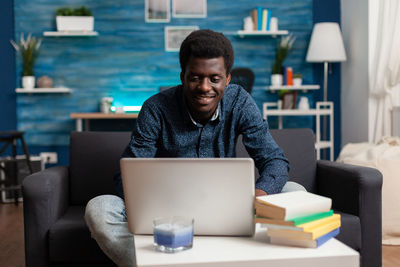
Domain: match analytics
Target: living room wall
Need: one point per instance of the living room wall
(128, 59)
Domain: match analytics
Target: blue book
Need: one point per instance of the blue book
(268, 20)
(322, 239)
(302, 242)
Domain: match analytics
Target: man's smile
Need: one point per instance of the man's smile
(204, 99)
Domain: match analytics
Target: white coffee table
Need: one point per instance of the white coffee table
(245, 251)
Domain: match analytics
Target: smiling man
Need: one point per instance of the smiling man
(202, 117)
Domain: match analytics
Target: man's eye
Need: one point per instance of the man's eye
(194, 79)
(215, 79)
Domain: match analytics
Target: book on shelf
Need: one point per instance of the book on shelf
(310, 234)
(264, 20)
(290, 205)
(254, 18)
(304, 243)
(259, 18)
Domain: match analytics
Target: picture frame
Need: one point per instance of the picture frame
(157, 11)
(189, 8)
(174, 36)
(289, 100)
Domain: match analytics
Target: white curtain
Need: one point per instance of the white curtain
(385, 69)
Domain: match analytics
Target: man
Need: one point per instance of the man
(203, 117)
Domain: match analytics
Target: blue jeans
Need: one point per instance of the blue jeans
(106, 219)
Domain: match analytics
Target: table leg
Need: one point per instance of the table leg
(78, 125)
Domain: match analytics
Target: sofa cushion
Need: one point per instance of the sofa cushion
(94, 160)
(350, 231)
(298, 146)
(70, 240)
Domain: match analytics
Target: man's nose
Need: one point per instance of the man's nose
(205, 85)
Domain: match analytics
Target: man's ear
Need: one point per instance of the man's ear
(182, 77)
(228, 79)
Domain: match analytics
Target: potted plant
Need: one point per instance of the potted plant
(78, 19)
(297, 79)
(282, 50)
(29, 50)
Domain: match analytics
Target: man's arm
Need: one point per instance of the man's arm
(269, 159)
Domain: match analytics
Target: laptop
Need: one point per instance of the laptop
(217, 192)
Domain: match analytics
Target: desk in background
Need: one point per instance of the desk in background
(86, 117)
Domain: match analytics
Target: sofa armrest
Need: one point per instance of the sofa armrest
(45, 196)
(356, 190)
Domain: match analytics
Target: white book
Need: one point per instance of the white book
(290, 205)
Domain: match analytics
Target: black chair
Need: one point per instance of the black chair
(55, 199)
(11, 183)
(243, 77)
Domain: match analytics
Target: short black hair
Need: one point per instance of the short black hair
(206, 44)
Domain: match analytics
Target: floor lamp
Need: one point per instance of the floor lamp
(326, 45)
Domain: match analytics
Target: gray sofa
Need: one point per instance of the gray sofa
(55, 198)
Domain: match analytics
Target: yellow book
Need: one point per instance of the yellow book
(264, 20)
(318, 223)
(304, 235)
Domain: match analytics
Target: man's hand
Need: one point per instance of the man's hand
(258, 192)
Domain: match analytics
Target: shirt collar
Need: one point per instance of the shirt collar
(213, 118)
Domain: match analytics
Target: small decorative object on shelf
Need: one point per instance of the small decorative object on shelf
(78, 19)
(105, 104)
(304, 104)
(44, 82)
(297, 79)
(248, 24)
(29, 51)
(282, 50)
(289, 100)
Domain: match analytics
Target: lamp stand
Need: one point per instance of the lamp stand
(324, 122)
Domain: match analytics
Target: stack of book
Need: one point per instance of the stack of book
(297, 218)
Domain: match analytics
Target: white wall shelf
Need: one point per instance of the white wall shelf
(243, 34)
(303, 88)
(43, 90)
(322, 109)
(70, 34)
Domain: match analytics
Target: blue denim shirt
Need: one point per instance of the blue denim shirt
(164, 129)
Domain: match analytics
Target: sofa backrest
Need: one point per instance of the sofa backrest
(299, 148)
(94, 160)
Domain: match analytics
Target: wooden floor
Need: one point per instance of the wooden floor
(12, 240)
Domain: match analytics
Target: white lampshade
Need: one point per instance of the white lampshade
(326, 44)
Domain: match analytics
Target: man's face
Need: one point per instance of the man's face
(204, 82)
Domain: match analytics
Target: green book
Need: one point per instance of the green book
(312, 217)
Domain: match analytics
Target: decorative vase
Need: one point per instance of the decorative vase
(297, 81)
(44, 82)
(276, 79)
(75, 23)
(303, 103)
(28, 82)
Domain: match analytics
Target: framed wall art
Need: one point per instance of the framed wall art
(289, 100)
(157, 11)
(189, 8)
(174, 36)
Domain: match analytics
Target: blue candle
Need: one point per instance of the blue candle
(171, 235)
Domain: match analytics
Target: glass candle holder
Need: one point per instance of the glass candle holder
(173, 234)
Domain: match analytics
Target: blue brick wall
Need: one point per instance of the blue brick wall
(127, 60)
